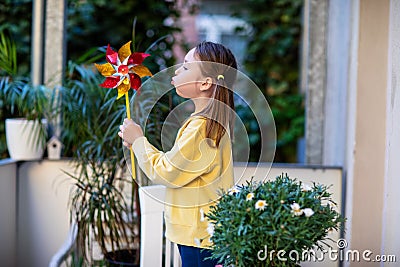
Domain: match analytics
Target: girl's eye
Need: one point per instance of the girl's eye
(184, 68)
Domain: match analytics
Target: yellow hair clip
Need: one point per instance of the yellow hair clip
(220, 77)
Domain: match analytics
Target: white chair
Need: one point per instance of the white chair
(67, 247)
(154, 245)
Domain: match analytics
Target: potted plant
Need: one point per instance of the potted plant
(24, 107)
(271, 223)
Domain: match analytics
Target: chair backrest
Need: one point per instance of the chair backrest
(67, 247)
(154, 246)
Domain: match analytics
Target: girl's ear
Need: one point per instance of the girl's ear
(206, 84)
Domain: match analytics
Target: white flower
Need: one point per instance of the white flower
(308, 212)
(210, 229)
(201, 215)
(324, 202)
(249, 196)
(305, 187)
(261, 204)
(296, 209)
(295, 206)
(234, 190)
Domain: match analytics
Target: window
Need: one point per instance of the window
(224, 29)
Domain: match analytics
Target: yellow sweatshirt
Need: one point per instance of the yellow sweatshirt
(193, 172)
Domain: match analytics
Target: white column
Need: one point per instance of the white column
(314, 78)
(338, 44)
(351, 118)
(55, 42)
(55, 48)
(37, 42)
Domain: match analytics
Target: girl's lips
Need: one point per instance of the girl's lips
(172, 81)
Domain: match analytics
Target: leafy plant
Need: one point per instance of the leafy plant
(282, 214)
(16, 18)
(18, 97)
(8, 55)
(22, 99)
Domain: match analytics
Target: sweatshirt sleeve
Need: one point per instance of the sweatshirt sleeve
(189, 158)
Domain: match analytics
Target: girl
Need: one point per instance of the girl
(200, 162)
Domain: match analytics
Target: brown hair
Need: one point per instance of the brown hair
(220, 110)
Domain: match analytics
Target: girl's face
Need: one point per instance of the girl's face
(188, 79)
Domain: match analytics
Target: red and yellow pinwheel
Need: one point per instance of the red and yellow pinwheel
(124, 71)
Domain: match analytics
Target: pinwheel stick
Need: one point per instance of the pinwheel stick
(128, 115)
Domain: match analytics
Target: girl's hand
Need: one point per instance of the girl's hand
(129, 132)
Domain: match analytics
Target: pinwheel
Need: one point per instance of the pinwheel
(124, 71)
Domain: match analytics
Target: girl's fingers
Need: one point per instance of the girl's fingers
(127, 144)
(128, 121)
(120, 134)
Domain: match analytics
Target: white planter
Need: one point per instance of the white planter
(24, 141)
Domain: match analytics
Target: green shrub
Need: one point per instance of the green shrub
(282, 214)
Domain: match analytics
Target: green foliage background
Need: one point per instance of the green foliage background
(272, 58)
(95, 23)
(273, 63)
(92, 24)
(16, 18)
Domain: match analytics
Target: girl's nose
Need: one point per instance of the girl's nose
(178, 70)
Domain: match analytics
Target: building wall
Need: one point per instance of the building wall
(391, 197)
(43, 216)
(369, 164)
(361, 117)
(8, 203)
(366, 143)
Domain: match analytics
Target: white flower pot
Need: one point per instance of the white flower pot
(24, 141)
